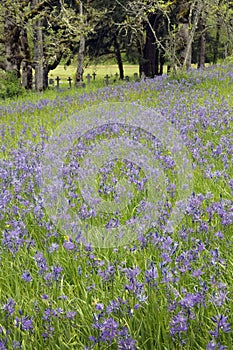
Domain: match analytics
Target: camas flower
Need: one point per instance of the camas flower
(26, 276)
(9, 307)
(179, 323)
(25, 323)
(221, 324)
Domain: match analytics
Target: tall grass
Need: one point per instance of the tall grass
(161, 291)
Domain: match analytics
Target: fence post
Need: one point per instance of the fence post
(143, 76)
(88, 78)
(69, 81)
(51, 81)
(58, 80)
(106, 79)
(136, 78)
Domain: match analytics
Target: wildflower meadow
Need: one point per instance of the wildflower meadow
(116, 216)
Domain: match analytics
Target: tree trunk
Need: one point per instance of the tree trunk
(202, 42)
(12, 44)
(150, 56)
(79, 73)
(161, 62)
(216, 42)
(26, 63)
(49, 67)
(81, 52)
(140, 56)
(38, 52)
(188, 18)
(39, 56)
(184, 50)
(217, 36)
(118, 58)
(45, 77)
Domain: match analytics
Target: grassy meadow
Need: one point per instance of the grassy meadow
(100, 70)
(165, 290)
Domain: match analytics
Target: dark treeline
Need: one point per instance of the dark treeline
(35, 35)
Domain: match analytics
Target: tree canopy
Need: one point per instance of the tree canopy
(38, 34)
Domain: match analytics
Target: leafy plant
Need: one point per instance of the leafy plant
(10, 85)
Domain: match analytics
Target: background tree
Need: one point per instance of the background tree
(153, 24)
(10, 22)
(53, 34)
(37, 34)
(107, 38)
(38, 62)
(81, 51)
(202, 39)
(26, 62)
(78, 19)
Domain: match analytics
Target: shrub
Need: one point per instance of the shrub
(10, 85)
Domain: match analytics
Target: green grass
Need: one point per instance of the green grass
(148, 321)
(101, 71)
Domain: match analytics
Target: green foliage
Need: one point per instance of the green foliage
(229, 60)
(10, 85)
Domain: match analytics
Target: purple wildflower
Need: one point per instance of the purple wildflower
(107, 329)
(9, 307)
(221, 324)
(127, 344)
(107, 274)
(125, 341)
(178, 324)
(41, 263)
(17, 345)
(53, 247)
(99, 307)
(190, 300)
(25, 323)
(151, 274)
(56, 272)
(71, 314)
(215, 346)
(68, 245)
(2, 345)
(26, 276)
